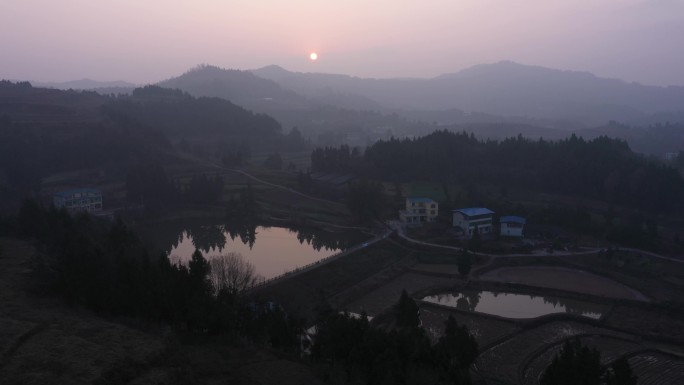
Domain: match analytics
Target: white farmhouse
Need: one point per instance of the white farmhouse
(419, 210)
(468, 219)
(512, 226)
(79, 200)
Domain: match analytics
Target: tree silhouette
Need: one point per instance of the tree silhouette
(465, 263)
(407, 312)
(620, 373)
(574, 365)
(232, 273)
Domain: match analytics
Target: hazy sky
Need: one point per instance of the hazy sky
(150, 40)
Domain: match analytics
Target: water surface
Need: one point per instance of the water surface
(272, 250)
(517, 306)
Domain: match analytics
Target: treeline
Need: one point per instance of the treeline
(333, 159)
(602, 168)
(355, 351)
(105, 268)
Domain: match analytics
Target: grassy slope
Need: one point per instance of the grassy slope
(43, 341)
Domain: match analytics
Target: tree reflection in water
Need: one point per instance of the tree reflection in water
(516, 305)
(213, 237)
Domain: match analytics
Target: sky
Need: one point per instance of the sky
(145, 41)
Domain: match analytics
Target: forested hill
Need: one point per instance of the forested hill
(602, 168)
(240, 87)
(175, 112)
(48, 131)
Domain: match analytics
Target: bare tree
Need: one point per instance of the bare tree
(232, 273)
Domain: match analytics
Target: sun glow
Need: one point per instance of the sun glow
(313, 56)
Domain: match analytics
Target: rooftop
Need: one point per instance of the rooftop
(513, 219)
(474, 211)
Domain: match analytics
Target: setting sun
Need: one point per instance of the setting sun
(313, 56)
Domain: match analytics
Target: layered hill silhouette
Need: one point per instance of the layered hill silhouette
(504, 89)
(240, 87)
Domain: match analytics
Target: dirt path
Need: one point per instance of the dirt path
(586, 250)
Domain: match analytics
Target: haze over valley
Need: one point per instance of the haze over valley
(469, 193)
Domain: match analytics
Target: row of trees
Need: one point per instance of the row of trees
(105, 267)
(333, 159)
(357, 352)
(580, 365)
(601, 168)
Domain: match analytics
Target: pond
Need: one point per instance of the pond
(512, 305)
(272, 250)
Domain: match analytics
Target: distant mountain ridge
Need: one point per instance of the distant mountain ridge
(504, 88)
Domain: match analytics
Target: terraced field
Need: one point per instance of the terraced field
(505, 360)
(646, 321)
(335, 281)
(388, 294)
(563, 279)
(486, 329)
(611, 349)
(657, 369)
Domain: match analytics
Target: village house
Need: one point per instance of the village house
(468, 219)
(419, 210)
(512, 226)
(79, 200)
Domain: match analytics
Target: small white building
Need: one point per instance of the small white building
(512, 226)
(419, 210)
(79, 200)
(468, 219)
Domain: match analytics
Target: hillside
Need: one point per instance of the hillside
(240, 87)
(47, 131)
(44, 341)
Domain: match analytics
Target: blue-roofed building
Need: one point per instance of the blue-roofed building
(467, 219)
(419, 210)
(79, 200)
(512, 226)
